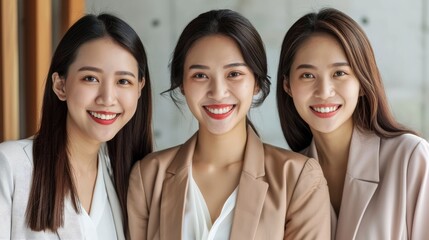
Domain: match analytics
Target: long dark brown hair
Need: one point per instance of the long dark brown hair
(372, 111)
(52, 178)
(227, 23)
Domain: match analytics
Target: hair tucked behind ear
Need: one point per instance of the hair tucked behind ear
(227, 23)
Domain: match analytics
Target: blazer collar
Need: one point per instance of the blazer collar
(251, 190)
(360, 183)
(250, 198)
(174, 191)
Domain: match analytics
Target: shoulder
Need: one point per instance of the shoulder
(277, 155)
(404, 141)
(155, 163)
(405, 146)
(13, 146)
(291, 163)
(159, 159)
(16, 151)
(16, 160)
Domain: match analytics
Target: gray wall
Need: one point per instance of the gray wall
(398, 31)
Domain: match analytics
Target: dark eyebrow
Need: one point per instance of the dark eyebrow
(88, 68)
(305, 66)
(235, 65)
(125, 73)
(198, 66)
(94, 69)
(338, 64)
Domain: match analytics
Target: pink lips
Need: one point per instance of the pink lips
(325, 110)
(104, 121)
(219, 111)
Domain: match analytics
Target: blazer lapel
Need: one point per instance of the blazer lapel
(111, 192)
(361, 182)
(251, 190)
(174, 191)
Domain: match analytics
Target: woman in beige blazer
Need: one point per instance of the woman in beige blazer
(224, 183)
(333, 107)
(67, 182)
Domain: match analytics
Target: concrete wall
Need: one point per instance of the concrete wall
(398, 31)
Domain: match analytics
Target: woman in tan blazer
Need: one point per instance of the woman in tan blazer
(224, 183)
(333, 107)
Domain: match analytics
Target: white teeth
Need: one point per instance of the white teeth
(103, 116)
(219, 110)
(325, 109)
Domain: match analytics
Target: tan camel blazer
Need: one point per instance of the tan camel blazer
(281, 194)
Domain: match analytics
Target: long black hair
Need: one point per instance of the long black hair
(52, 178)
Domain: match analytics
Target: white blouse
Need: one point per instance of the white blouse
(197, 221)
(99, 224)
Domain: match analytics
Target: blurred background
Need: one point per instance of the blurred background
(30, 30)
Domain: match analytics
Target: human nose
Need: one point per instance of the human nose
(218, 89)
(324, 88)
(107, 94)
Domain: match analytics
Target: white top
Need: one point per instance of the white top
(197, 222)
(99, 224)
(16, 169)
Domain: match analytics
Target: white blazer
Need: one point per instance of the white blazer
(16, 168)
(386, 188)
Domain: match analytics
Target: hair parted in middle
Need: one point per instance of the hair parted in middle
(227, 23)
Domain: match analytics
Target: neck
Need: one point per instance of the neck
(221, 150)
(82, 154)
(333, 148)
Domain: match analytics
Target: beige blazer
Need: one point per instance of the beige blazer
(386, 189)
(281, 194)
(16, 167)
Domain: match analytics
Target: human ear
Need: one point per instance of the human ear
(256, 89)
(286, 86)
(141, 85)
(59, 86)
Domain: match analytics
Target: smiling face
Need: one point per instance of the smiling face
(101, 90)
(217, 84)
(324, 88)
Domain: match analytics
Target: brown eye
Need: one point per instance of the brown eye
(234, 74)
(124, 82)
(307, 75)
(200, 75)
(90, 79)
(339, 73)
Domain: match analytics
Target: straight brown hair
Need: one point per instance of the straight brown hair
(372, 111)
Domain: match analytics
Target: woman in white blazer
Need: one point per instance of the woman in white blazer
(70, 180)
(333, 107)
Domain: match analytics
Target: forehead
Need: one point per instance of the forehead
(105, 53)
(320, 46)
(214, 49)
